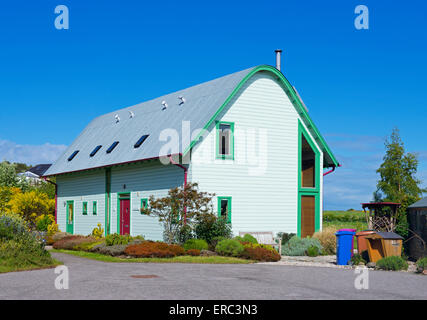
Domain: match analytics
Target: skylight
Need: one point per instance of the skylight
(111, 148)
(140, 141)
(73, 155)
(95, 150)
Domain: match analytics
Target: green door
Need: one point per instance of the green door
(70, 216)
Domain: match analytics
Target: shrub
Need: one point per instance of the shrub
(12, 226)
(394, 263)
(209, 226)
(149, 249)
(422, 263)
(98, 232)
(68, 243)
(177, 249)
(184, 233)
(43, 221)
(313, 251)
(113, 239)
(214, 242)
(298, 247)
(260, 252)
(229, 247)
(115, 250)
(87, 246)
(32, 204)
(327, 239)
(285, 237)
(198, 244)
(193, 252)
(356, 259)
(247, 238)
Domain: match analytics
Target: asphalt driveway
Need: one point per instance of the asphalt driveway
(89, 279)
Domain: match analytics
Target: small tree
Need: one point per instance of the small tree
(182, 206)
(8, 177)
(397, 179)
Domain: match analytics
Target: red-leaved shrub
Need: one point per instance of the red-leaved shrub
(149, 249)
(193, 252)
(260, 253)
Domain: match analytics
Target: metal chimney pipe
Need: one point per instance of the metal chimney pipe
(278, 52)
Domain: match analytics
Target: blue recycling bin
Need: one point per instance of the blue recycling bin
(344, 246)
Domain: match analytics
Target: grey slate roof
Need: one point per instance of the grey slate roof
(201, 103)
(419, 204)
(40, 169)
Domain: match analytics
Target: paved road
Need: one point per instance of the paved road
(91, 279)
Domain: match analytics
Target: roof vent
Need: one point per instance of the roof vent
(164, 104)
(117, 118)
(131, 114)
(182, 100)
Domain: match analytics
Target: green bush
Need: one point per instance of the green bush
(43, 223)
(356, 259)
(114, 239)
(197, 244)
(229, 247)
(114, 250)
(71, 242)
(313, 251)
(285, 237)
(422, 263)
(214, 242)
(209, 226)
(392, 263)
(298, 247)
(247, 238)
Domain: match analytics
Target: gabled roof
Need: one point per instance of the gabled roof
(202, 105)
(419, 204)
(39, 169)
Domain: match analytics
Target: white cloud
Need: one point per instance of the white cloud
(30, 154)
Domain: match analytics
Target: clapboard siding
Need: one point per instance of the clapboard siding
(82, 187)
(267, 201)
(142, 181)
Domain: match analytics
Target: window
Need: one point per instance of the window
(95, 208)
(85, 208)
(73, 155)
(308, 164)
(225, 140)
(111, 148)
(140, 141)
(144, 204)
(95, 150)
(224, 208)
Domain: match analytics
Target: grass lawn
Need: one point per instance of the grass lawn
(179, 259)
(7, 265)
(345, 220)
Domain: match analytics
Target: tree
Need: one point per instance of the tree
(179, 209)
(398, 182)
(8, 177)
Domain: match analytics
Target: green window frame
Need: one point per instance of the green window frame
(84, 208)
(94, 208)
(222, 200)
(219, 153)
(144, 204)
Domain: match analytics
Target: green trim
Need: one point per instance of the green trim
(84, 208)
(308, 191)
(317, 177)
(142, 203)
(123, 196)
(229, 207)
(94, 208)
(107, 201)
(295, 101)
(70, 226)
(225, 156)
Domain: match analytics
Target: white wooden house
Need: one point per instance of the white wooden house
(247, 137)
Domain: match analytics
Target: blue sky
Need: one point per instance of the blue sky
(357, 84)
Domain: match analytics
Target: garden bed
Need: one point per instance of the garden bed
(178, 259)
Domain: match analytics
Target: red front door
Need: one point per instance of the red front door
(125, 216)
